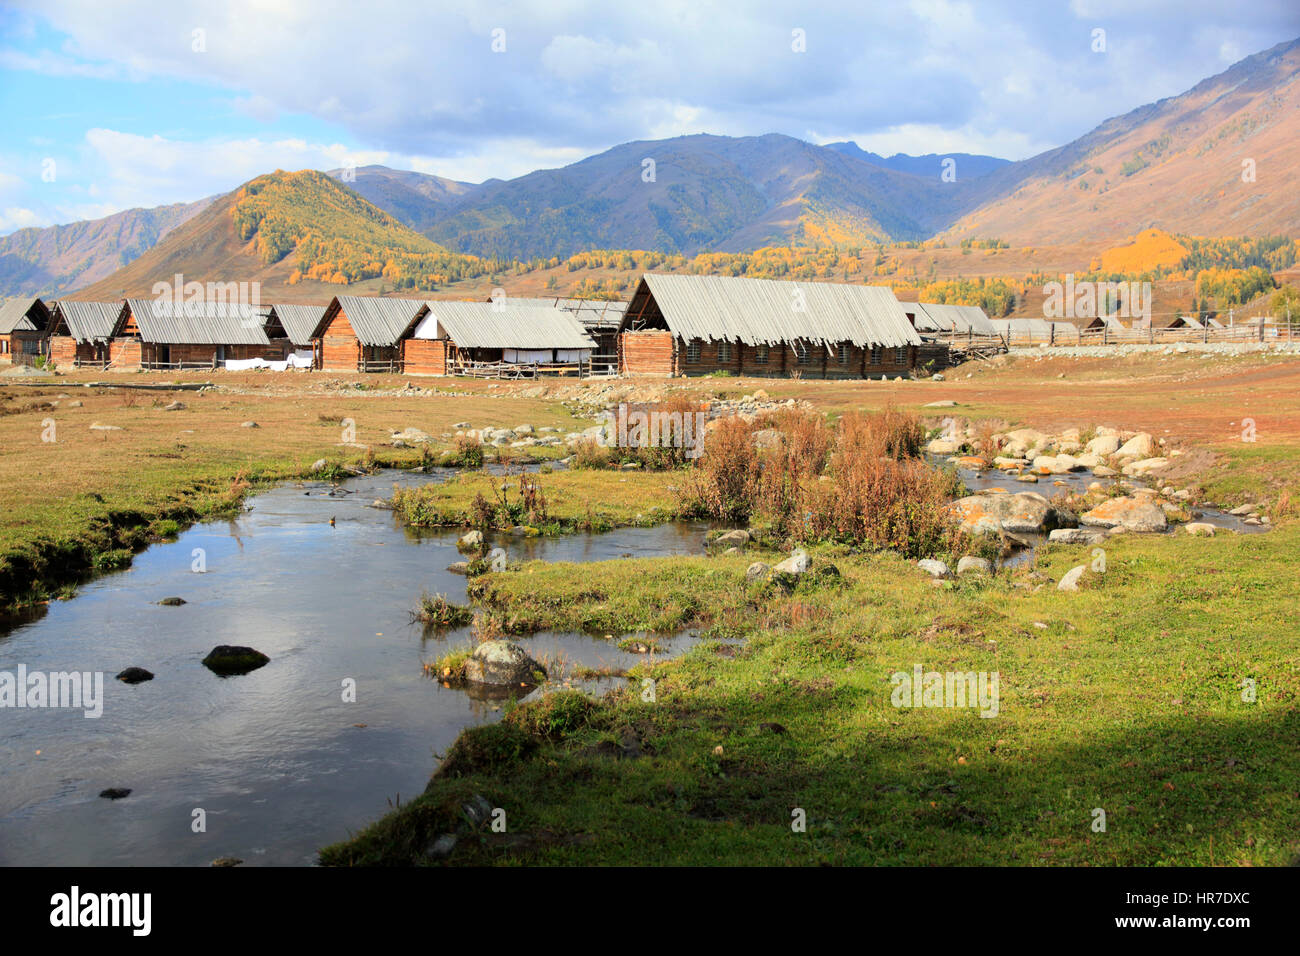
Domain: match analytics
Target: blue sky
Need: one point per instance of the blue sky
(110, 106)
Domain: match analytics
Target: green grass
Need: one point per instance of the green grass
(1125, 696)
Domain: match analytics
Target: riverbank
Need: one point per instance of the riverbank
(1163, 694)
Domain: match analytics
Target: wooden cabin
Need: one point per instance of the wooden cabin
(503, 339)
(600, 320)
(81, 333)
(159, 334)
(696, 325)
(24, 325)
(365, 334)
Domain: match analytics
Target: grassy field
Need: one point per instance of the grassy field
(1126, 696)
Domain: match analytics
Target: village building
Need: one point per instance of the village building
(600, 319)
(365, 334)
(695, 325)
(507, 338)
(81, 333)
(24, 324)
(949, 321)
(159, 334)
(299, 324)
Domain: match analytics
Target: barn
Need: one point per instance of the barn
(600, 319)
(695, 325)
(365, 334)
(509, 338)
(24, 323)
(157, 334)
(949, 321)
(81, 332)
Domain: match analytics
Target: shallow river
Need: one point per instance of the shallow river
(276, 759)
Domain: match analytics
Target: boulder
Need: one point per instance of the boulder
(1201, 529)
(172, 601)
(97, 427)
(1023, 511)
(1103, 445)
(973, 462)
(135, 675)
(734, 538)
(943, 446)
(522, 430)
(767, 438)
(1053, 465)
(934, 568)
(797, 563)
(319, 464)
(412, 436)
(502, 663)
(1071, 580)
(228, 660)
(1077, 536)
(470, 541)
(249, 424)
(973, 565)
(458, 567)
(1140, 445)
(174, 407)
(1137, 469)
(758, 571)
(1130, 513)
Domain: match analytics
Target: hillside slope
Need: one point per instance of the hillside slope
(1176, 165)
(55, 259)
(291, 232)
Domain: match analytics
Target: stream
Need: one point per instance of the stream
(279, 764)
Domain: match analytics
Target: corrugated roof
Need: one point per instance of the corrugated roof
(939, 317)
(771, 311)
(1037, 327)
(13, 314)
(299, 321)
(375, 320)
(90, 321)
(592, 313)
(507, 325)
(199, 323)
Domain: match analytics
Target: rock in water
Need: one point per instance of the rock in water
(502, 663)
(134, 675)
(115, 793)
(470, 541)
(229, 660)
(172, 602)
(1130, 513)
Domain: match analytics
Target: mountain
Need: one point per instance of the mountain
(966, 165)
(1176, 164)
(700, 192)
(56, 259)
(417, 200)
(299, 232)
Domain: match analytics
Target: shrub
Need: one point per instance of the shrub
(436, 611)
(589, 453)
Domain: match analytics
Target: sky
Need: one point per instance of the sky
(109, 106)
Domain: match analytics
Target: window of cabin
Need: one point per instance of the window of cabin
(876, 357)
(724, 352)
(693, 353)
(801, 353)
(760, 355)
(900, 355)
(844, 353)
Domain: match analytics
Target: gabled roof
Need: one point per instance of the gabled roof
(504, 325)
(592, 313)
(938, 317)
(90, 321)
(374, 320)
(25, 313)
(299, 321)
(770, 311)
(199, 323)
